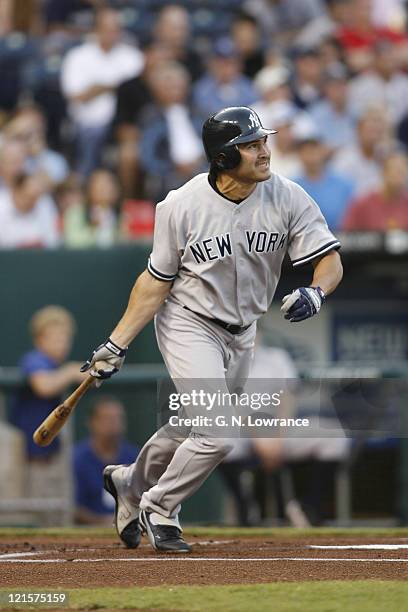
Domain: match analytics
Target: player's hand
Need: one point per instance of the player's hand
(106, 360)
(302, 303)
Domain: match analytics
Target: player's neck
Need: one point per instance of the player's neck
(233, 189)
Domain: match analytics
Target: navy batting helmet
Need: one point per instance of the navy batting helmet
(226, 129)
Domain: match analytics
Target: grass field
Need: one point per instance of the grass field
(67, 533)
(333, 596)
(309, 594)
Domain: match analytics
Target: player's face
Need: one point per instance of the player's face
(254, 166)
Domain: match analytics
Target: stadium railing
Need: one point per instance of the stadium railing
(135, 377)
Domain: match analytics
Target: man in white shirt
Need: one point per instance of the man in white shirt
(28, 216)
(90, 74)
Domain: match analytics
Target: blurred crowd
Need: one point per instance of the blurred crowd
(102, 103)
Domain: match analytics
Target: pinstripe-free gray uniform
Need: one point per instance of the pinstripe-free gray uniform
(224, 261)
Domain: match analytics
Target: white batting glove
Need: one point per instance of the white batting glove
(106, 360)
(302, 303)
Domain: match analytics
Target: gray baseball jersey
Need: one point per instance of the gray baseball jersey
(225, 259)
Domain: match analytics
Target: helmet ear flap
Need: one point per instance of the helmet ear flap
(228, 158)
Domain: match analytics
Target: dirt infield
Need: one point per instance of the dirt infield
(94, 562)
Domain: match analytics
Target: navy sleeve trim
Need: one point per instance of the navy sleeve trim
(159, 275)
(330, 246)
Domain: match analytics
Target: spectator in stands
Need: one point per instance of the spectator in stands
(283, 19)
(359, 36)
(172, 30)
(46, 375)
(133, 96)
(90, 76)
(330, 53)
(12, 161)
(272, 84)
(332, 113)
(172, 150)
(247, 37)
(68, 194)
(29, 126)
(16, 49)
(389, 13)
(277, 109)
(384, 82)
(42, 79)
(28, 216)
(361, 161)
(307, 76)
(105, 445)
(330, 190)
(387, 208)
(325, 25)
(93, 222)
(284, 156)
(224, 84)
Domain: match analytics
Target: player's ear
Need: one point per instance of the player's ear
(220, 160)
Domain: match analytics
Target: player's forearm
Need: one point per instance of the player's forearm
(328, 272)
(147, 295)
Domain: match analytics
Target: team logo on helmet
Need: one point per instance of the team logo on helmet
(254, 120)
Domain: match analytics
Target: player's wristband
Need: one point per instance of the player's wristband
(114, 348)
(321, 293)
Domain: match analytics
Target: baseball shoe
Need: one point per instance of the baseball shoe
(126, 515)
(163, 533)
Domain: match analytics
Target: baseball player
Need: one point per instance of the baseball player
(219, 243)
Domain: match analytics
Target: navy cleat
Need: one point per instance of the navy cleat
(164, 534)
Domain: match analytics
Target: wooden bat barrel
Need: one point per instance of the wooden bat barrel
(55, 421)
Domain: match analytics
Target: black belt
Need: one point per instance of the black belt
(232, 329)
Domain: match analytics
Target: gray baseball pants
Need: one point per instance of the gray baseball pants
(170, 466)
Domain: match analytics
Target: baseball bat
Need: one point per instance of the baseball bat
(55, 421)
